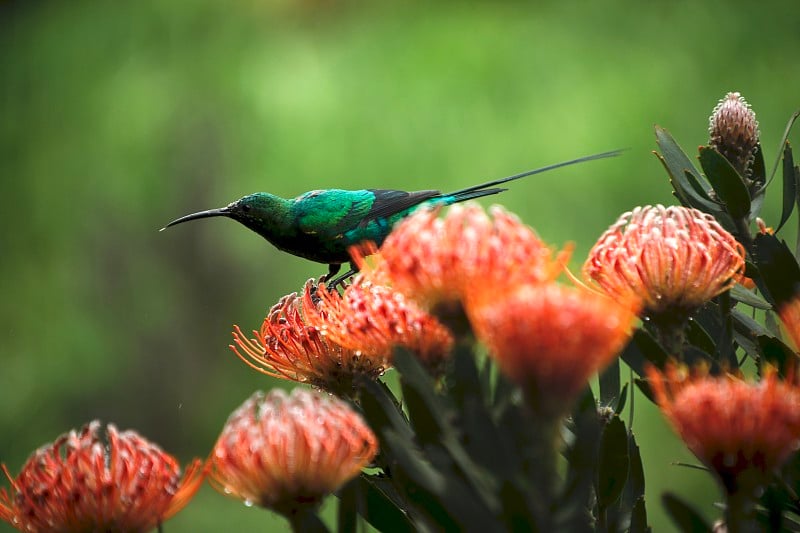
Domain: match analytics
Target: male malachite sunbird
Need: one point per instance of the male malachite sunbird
(321, 225)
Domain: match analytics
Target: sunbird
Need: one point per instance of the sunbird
(321, 225)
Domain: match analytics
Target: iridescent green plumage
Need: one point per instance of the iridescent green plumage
(321, 225)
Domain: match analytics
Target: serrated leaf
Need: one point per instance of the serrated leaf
(613, 469)
(789, 187)
(727, 183)
(685, 516)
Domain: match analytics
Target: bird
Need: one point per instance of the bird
(321, 225)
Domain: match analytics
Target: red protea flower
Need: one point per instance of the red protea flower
(674, 258)
(330, 340)
(733, 132)
(286, 452)
(435, 260)
(81, 483)
(551, 338)
(742, 431)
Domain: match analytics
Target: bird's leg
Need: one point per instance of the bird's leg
(340, 279)
(333, 269)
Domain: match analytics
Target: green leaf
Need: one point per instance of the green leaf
(623, 397)
(748, 327)
(582, 436)
(613, 470)
(776, 353)
(699, 337)
(758, 176)
(789, 186)
(642, 349)
(727, 183)
(639, 518)
(381, 506)
(747, 297)
(779, 278)
(677, 164)
(347, 518)
(428, 411)
(610, 383)
(685, 516)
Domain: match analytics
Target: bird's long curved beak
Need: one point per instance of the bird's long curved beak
(221, 212)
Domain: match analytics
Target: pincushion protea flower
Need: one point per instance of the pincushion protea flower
(733, 132)
(432, 259)
(551, 338)
(329, 340)
(286, 452)
(674, 258)
(81, 483)
(742, 431)
(373, 319)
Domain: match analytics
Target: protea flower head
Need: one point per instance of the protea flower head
(550, 338)
(82, 483)
(332, 340)
(286, 452)
(674, 258)
(741, 430)
(434, 260)
(733, 132)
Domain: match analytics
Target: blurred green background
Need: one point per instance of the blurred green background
(116, 117)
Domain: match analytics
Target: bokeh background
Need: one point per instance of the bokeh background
(116, 117)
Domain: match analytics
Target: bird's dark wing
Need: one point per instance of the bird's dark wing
(331, 212)
(389, 202)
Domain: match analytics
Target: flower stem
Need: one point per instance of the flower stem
(305, 520)
(740, 513)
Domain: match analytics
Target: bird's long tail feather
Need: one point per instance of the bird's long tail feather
(483, 189)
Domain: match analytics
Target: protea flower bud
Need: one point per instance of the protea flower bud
(733, 132)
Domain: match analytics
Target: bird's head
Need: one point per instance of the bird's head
(256, 211)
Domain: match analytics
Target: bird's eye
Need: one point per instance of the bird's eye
(245, 208)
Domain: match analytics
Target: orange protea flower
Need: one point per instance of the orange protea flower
(83, 483)
(790, 316)
(287, 347)
(435, 260)
(286, 452)
(551, 338)
(674, 258)
(742, 431)
(372, 319)
(329, 340)
(733, 132)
